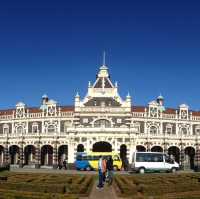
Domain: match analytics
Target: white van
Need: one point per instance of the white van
(153, 161)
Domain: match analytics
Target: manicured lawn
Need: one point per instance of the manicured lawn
(37, 186)
(158, 186)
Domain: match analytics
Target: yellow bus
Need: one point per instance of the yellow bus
(89, 161)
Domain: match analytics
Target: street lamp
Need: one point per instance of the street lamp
(37, 166)
(197, 155)
(182, 152)
(22, 150)
(6, 150)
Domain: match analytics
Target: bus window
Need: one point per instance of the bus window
(95, 157)
(156, 158)
(79, 157)
(141, 157)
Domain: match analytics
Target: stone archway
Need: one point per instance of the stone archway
(174, 152)
(80, 148)
(102, 147)
(189, 158)
(14, 154)
(47, 155)
(62, 153)
(123, 151)
(156, 149)
(140, 148)
(1, 155)
(123, 156)
(29, 154)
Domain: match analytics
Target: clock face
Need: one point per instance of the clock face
(183, 114)
(51, 111)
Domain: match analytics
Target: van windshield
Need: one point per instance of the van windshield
(149, 157)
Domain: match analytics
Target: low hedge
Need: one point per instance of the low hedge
(68, 185)
(143, 186)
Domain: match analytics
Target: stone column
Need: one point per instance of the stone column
(132, 149)
(182, 157)
(55, 156)
(38, 156)
(71, 153)
(197, 158)
(21, 156)
(6, 155)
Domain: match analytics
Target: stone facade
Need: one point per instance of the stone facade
(50, 133)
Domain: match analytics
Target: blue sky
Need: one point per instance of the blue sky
(56, 47)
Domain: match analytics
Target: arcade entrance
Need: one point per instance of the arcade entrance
(102, 147)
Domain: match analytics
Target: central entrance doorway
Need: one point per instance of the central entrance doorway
(102, 147)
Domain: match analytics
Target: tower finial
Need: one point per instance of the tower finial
(104, 58)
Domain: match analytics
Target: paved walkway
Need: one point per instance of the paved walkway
(106, 193)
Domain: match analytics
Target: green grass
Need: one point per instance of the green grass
(158, 186)
(35, 186)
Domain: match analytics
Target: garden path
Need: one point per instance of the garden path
(106, 193)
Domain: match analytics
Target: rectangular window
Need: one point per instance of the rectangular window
(149, 157)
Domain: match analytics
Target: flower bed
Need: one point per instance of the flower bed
(35, 186)
(158, 186)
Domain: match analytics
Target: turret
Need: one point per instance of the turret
(160, 100)
(128, 100)
(45, 99)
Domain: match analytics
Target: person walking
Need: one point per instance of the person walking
(65, 164)
(60, 164)
(104, 169)
(100, 171)
(109, 166)
(126, 164)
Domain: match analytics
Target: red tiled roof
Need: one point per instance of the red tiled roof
(138, 108)
(170, 111)
(67, 108)
(196, 113)
(6, 112)
(34, 110)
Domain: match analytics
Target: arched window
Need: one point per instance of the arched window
(20, 129)
(153, 130)
(102, 123)
(184, 131)
(35, 127)
(168, 129)
(51, 128)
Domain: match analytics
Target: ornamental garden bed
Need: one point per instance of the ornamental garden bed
(158, 186)
(35, 186)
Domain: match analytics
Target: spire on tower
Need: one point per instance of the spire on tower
(104, 58)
